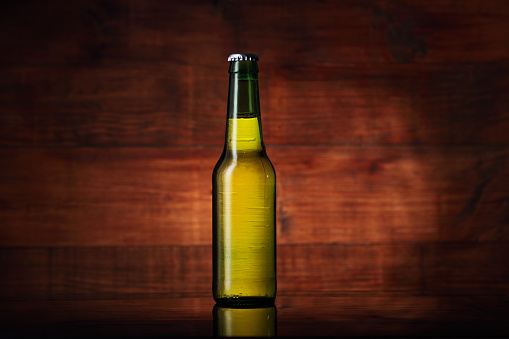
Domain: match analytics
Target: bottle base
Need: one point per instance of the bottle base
(246, 301)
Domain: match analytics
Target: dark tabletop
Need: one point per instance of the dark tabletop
(297, 315)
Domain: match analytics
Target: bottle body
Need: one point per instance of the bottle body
(244, 229)
(244, 203)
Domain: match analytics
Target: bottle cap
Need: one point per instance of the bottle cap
(243, 57)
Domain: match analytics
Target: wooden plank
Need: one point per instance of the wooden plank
(296, 32)
(138, 270)
(25, 274)
(462, 268)
(332, 268)
(103, 272)
(381, 194)
(138, 196)
(126, 104)
(161, 104)
(68, 197)
(141, 272)
(461, 104)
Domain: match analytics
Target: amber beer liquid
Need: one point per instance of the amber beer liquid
(244, 197)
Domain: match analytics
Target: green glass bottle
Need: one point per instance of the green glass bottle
(244, 197)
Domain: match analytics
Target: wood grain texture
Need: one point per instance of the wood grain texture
(296, 32)
(25, 274)
(116, 104)
(119, 196)
(138, 196)
(162, 104)
(139, 272)
(386, 122)
(351, 72)
(455, 269)
(382, 194)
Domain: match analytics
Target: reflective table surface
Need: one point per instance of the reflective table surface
(293, 315)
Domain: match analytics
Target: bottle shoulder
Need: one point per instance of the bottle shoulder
(244, 161)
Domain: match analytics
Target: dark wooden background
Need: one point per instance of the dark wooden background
(387, 123)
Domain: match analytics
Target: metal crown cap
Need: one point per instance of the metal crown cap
(243, 57)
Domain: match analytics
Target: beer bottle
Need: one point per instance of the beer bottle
(244, 197)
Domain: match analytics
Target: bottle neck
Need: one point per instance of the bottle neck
(244, 129)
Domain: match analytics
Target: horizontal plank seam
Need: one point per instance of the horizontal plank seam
(114, 63)
(342, 145)
(416, 243)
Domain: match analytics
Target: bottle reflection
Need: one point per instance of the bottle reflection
(244, 321)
